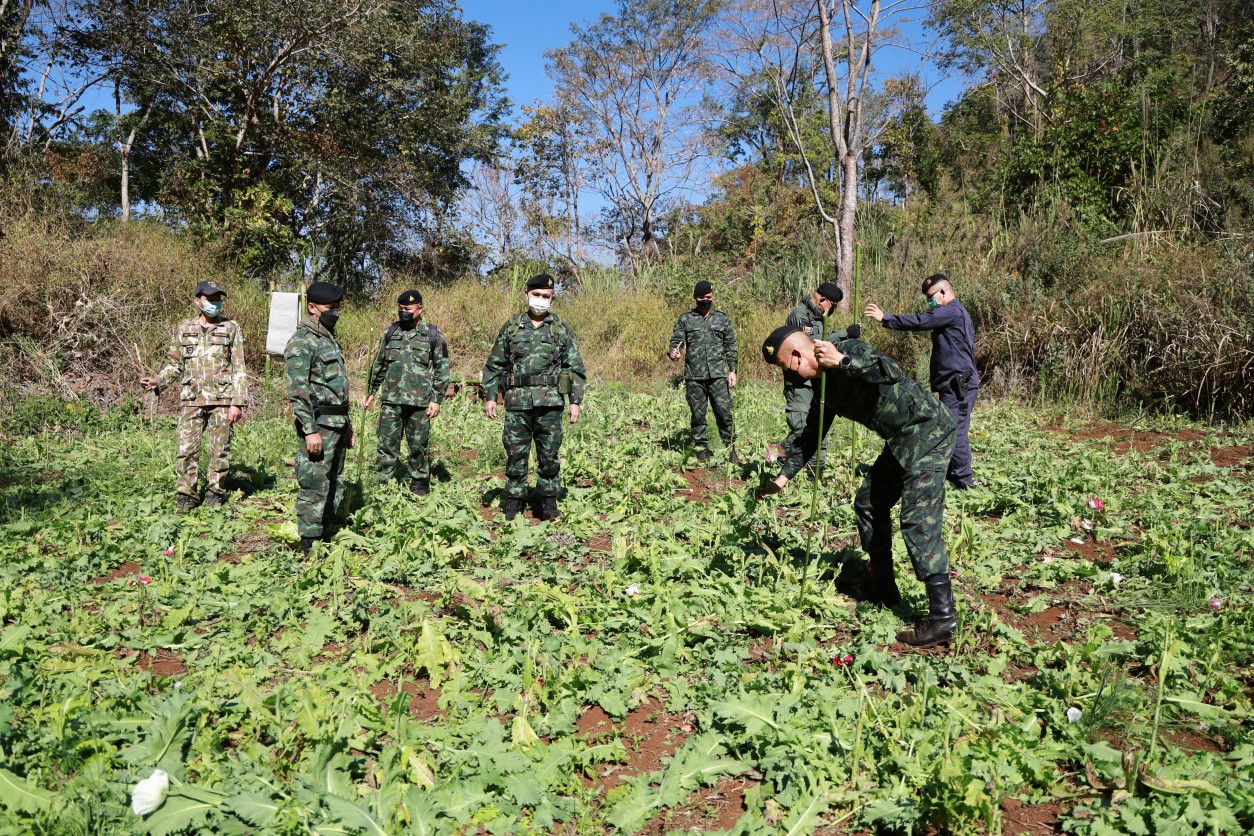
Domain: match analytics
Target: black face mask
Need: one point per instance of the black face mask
(406, 318)
(704, 304)
(327, 319)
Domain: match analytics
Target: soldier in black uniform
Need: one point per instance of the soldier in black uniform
(865, 386)
(954, 378)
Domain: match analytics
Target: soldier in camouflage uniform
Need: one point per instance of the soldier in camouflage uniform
(919, 432)
(709, 368)
(206, 358)
(534, 362)
(412, 368)
(317, 386)
(807, 316)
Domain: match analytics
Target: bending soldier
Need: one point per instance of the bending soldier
(412, 369)
(868, 387)
(317, 385)
(536, 364)
(709, 340)
(206, 357)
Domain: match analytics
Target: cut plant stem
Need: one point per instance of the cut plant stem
(818, 479)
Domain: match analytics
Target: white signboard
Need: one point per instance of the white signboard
(284, 317)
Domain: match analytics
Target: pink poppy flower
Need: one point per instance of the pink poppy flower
(1216, 603)
(1096, 504)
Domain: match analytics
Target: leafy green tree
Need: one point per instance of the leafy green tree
(306, 133)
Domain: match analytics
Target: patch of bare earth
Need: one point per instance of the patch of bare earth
(1057, 622)
(1019, 817)
(649, 734)
(424, 701)
(125, 570)
(1124, 439)
(162, 663)
(251, 543)
(1232, 456)
(1193, 740)
(1094, 552)
(709, 808)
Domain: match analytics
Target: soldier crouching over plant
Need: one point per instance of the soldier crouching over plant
(206, 357)
(868, 387)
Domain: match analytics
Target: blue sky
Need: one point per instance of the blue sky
(526, 31)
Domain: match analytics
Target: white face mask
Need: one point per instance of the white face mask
(538, 304)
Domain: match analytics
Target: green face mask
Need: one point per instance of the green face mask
(932, 304)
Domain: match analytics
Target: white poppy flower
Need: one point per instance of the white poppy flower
(149, 794)
(1115, 577)
(632, 591)
(1074, 714)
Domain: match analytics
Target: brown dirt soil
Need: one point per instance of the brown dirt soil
(1127, 438)
(1018, 817)
(600, 542)
(1193, 740)
(709, 808)
(1052, 624)
(1232, 456)
(125, 570)
(164, 663)
(424, 701)
(251, 543)
(1090, 551)
(649, 734)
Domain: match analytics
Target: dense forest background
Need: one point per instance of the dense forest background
(1090, 190)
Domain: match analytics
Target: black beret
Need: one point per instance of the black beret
(208, 289)
(409, 297)
(830, 292)
(541, 282)
(701, 288)
(770, 347)
(324, 293)
(933, 280)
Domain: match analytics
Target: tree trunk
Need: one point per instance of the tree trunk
(848, 210)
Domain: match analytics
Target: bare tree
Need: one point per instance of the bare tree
(636, 80)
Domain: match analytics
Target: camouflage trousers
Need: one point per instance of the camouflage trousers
(413, 423)
(193, 422)
(797, 401)
(522, 427)
(321, 485)
(716, 392)
(921, 491)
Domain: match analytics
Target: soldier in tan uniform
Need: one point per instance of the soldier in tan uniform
(206, 358)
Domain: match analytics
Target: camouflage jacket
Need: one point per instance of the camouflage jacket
(208, 363)
(808, 318)
(411, 366)
(875, 392)
(710, 344)
(316, 377)
(526, 361)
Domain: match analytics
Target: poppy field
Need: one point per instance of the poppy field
(649, 663)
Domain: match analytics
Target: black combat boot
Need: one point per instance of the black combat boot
(548, 508)
(703, 455)
(185, 503)
(732, 457)
(419, 487)
(213, 499)
(941, 620)
(881, 586)
(511, 506)
(307, 544)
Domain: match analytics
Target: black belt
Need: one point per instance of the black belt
(328, 409)
(514, 381)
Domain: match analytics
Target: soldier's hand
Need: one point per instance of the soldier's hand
(489, 408)
(731, 379)
(873, 311)
(234, 414)
(574, 412)
(674, 355)
(433, 409)
(148, 383)
(827, 355)
(774, 487)
(367, 402)
(313, 445)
